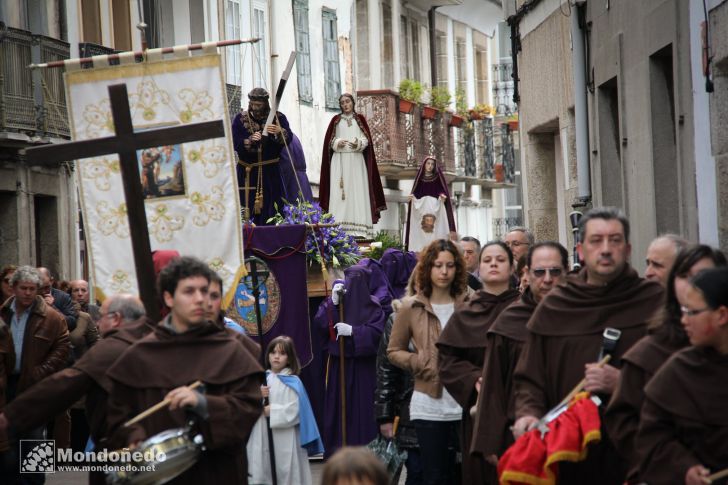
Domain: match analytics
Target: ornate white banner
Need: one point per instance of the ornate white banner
(191, 192)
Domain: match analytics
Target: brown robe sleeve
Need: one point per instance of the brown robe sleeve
(529, 379)
(48, 398)
(622, 417)
(122, 407)
(459, 371)
(492, 434)
(664, 459)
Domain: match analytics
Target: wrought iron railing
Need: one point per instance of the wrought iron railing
(508, 152)
(17, 103)
(503, 225)
(503, 88)
(31, 102)
(53, 118)
(403, 140)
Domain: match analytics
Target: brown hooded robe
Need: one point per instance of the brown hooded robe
(566, 334)
(461, 350)
(496, 413)
(165, 360)
(684, 420)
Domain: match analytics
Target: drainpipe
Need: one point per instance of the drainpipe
(581, 122)
(433, 44)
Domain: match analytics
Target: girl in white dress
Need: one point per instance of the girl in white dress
(295, 434)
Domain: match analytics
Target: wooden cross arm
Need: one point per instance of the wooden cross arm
(52, 154)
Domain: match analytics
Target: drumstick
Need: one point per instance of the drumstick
(157, 407)
(716, 476)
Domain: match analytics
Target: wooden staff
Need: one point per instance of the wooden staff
(342, 370)
(157, 407)
(717, 476)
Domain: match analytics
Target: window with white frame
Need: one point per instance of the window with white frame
(331, 59)
(303, 50)
(233, 52)
(260, 48)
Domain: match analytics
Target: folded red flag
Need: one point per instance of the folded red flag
(534, 459)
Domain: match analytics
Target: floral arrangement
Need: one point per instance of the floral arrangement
(328, 245)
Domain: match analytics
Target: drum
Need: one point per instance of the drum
(174, 451)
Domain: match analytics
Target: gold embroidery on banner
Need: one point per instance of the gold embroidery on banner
(208, 206)
(98, 117)
(100, 171)
(218, 266)
(120, 281)
(197, 105)
(112, 220)
(163, 225)
(212, 158)
(148, 97)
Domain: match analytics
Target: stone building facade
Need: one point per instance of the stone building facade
(646, 152)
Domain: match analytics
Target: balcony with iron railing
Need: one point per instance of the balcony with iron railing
(402, 140)
(503, 88)
(32, 103)
(477, 152)
(486, 153)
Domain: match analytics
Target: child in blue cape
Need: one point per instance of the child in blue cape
(295, 434)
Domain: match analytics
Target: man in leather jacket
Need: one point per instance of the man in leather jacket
(391, 399)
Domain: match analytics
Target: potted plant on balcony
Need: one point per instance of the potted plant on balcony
(461, 111)
(481, 111)
(439, 98)
(410, 93)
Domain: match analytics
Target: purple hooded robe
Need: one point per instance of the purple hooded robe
(365, 314)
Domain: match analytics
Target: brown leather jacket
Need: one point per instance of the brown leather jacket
(46, 344)
(7, 362)
(417, 323)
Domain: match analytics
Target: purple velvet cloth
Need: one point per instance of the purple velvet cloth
(379, 286)
(398, 269)
(297, 169)
(365, 314)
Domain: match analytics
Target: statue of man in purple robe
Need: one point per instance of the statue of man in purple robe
(259, 173)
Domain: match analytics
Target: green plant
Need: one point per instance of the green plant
(483, 110)
(440, 97)
(388, 241)
(410, 90)
(461, 103)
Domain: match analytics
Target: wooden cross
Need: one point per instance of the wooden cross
(126, 143)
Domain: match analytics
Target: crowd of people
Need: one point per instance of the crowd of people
(454, 353)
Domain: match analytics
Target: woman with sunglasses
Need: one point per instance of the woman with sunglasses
(684, 424)
(462, 345)
(440, 279)
(666, 336)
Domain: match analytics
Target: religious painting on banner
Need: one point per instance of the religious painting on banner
(190, 189)
(282, 285)
(162, 171)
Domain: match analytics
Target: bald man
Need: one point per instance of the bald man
(122, 323)
(661, 256)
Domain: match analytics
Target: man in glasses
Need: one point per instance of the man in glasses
(603, 310)
(519, 239)
(546, 264)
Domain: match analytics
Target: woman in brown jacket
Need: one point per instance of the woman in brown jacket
(441, 281)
